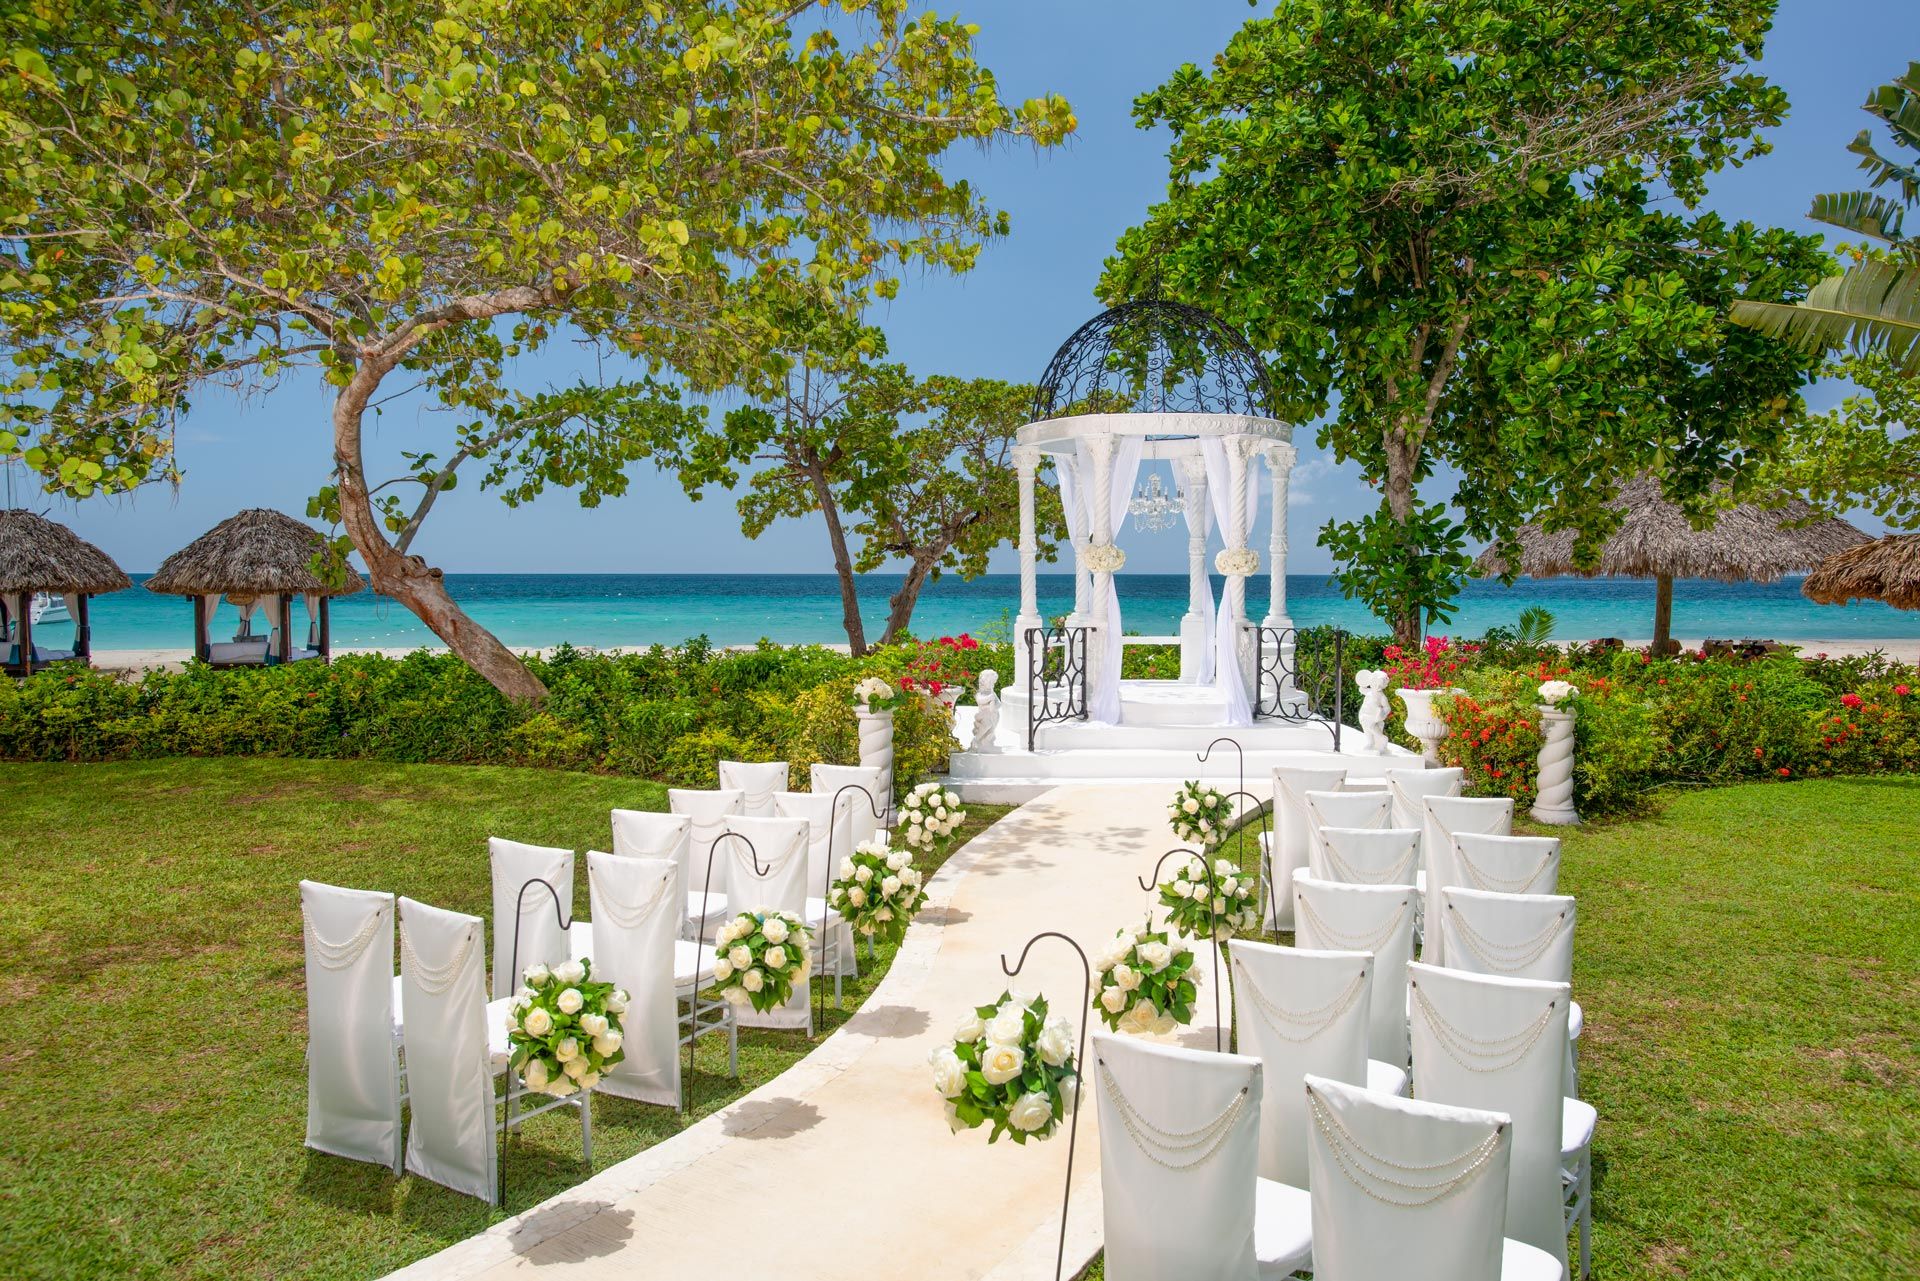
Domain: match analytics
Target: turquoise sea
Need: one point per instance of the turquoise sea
(602, 610)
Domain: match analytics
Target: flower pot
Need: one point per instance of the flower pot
(1421, 721)
(949, 696)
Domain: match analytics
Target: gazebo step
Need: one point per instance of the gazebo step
(1133, 764)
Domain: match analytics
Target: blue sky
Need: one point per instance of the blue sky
(1003, 320)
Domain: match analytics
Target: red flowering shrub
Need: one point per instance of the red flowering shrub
(1494, 735)
(935, 666)
(1437, 666)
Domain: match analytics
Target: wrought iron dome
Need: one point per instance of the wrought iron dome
(1154, 356)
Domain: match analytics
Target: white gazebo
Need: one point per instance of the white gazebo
(1159, 380)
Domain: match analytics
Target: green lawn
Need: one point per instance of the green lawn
(152, 1016)
(1749, 963)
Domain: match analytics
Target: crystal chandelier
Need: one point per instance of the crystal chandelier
(1155, 509)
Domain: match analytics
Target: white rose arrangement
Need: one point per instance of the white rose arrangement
(563, 1029)
(1145, 983)
(875, 694)
(1237, 562)
(927, 817)
(759, 958)
(1200, 815)
(1554, 693)
(877, 890)
(1203, 906)
(1009, 1065)
(1105, 558)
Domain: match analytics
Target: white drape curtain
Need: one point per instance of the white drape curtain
(1227, 676)
(636, 920)
(353, 1080)
(1103, 700)
(312, 601)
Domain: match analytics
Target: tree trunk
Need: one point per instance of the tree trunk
(842, 559)
(1401, 457)
(408, 579)
(901, 603)
(1662, 612)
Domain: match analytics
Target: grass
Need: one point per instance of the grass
(1749, 962)
(153, 1021)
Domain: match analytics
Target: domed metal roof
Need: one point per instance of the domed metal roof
(1154, 356)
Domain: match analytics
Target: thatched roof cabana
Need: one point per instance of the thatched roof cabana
(1885, 569)
(256, 558)
(1750, 542)
(40, 555)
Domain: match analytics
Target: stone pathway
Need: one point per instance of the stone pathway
(843, 1166)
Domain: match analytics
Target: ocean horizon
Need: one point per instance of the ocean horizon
(606, 610)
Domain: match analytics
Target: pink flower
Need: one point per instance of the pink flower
(1851, 700)
(1903, 690)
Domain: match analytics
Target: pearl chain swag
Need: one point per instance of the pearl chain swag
(1354, 876)
(1350, 942)
(627, 917)
(1488, 1056)
(1206, 1141)
(434, 980)
(339, 956)
(1501, 885)
(1316, 1021)
(1343, 1146)
(1509, 958)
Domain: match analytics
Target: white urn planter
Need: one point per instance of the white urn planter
(876, 747)
(1421, 721)
(1554, 801)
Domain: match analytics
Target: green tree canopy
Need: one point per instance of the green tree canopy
(1439, 222)
(213, 194)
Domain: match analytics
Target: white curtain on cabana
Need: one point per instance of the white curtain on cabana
(1227, 676)
(1103, 700)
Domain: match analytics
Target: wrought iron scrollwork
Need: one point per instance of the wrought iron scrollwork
(1299, 679)
(1056, 677)
(1154, 356)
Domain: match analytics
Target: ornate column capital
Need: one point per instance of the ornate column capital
(1026, 459)
(1281, 456)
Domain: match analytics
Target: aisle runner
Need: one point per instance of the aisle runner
(843, 1166)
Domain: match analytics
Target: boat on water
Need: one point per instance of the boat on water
(48, 608)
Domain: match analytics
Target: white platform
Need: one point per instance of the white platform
(1164, 725)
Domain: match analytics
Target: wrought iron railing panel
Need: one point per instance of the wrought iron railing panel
(1056, 677)
(1308, 687)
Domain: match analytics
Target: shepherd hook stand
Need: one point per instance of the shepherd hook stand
(833, 821)
(1260, 809)
(1151, 881)
(1079, 1068)
(513, 976)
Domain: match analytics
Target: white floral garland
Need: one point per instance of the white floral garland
(1237, 562)
(1105, 558)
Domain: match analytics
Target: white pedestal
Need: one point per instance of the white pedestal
(1193, 647)
(876, 749)
(1021, 626)
(1554, 803)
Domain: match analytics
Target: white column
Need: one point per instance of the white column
(1238, 455)
(1554, 801)
(1026, 461)
(1098, 490)
(1193, 627)
(1082, 593)
(1280, 459)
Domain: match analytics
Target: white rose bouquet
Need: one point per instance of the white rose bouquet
(1145, 983)
(1009, 1065)
(1554, 693)
(563, 1029)
(1200, 815)
(878, 890)
(1208, 907)
(760, 957)
(1105, 558)
(1237, 562)
(875, 694)
(928, 817)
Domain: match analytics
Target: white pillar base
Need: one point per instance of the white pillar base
(1193, 647)
(1021, 626)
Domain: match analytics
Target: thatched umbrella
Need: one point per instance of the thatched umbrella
(1885, 569)
(37, 555)
(1746, 543)
(256, 557)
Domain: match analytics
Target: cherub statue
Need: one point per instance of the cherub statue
(1374, 708)
(986, 712)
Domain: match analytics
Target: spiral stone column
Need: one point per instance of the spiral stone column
(1280, 458)
(1236, 536)
(1026, 461)
(876, 749)
(1554, 803)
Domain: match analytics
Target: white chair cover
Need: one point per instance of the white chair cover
(1365, 918)
(781, 845)
(353, 1069)
(1495, 1043)
(1520, 936)
(1301, 1013)
(1369, 855)
(1411, 787)
(1446, 816)
(1403, 1188)
(1179, 1156)
(1504, 864)
(635, 926)
(543, 940)
(1290, 832)
(1344, 808)
(709, 811)
(649, 834)
(756, 781)
(829, 779)
(829, 839)
(449, 1074)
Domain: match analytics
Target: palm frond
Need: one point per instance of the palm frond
(1881, 170)
(1861, 212)
(1899, 105)
(1874, 306)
